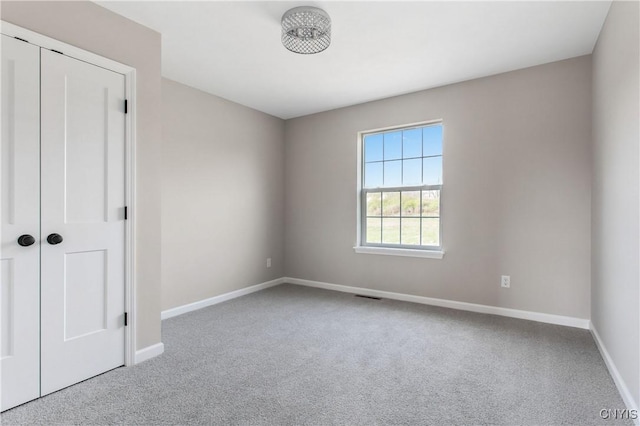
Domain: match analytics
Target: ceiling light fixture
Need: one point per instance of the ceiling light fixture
(306, 30)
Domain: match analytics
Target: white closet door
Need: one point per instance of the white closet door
(20, 215)
(82, 277)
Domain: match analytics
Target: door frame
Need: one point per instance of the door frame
(129, 73)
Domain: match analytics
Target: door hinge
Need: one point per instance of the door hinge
(125, 320)
(126, 212)
(21, 39)
(126, 106)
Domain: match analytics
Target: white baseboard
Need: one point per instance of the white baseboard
(149, 352)
(173, 312)
(615, 374)
(464, 306)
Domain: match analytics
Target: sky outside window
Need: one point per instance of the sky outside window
(410, 157)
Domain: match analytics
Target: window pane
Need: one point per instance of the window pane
(410, 232)
(373, 175)
(374, 229)
(412, 172)
(374, 204)
(392, 173)
(432, 140)
(432, 171)
(373, 148)
(390, 230)
(391, 204)
(393, 146)
(430, 203)
(430, 232)
(411, 203)
(394, 161)
(412, 143)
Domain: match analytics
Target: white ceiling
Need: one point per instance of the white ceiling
(379, 49)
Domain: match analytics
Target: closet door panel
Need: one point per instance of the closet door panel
(20, 215)
(83, 141)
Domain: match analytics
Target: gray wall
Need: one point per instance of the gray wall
(93, 28)
(615, 204)
(516, 198)
(222, 195)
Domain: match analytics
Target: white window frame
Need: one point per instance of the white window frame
(433, 252)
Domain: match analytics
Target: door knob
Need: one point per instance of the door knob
(54, 239)
(26, 240)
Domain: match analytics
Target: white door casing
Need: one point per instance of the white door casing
(20, 215)
(83, 200)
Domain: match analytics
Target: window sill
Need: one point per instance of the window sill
(430, 254)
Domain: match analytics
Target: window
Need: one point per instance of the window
(401, 186)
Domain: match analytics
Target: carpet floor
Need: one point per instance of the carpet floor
(295, 356)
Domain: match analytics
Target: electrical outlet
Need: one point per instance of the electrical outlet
(268, 262)
(505, 281)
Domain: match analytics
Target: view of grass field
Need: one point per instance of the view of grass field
(405, 231)
(403, 217)
(404, 203)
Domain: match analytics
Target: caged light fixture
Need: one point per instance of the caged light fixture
(306, 30)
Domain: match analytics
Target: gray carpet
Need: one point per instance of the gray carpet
(294, 355)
